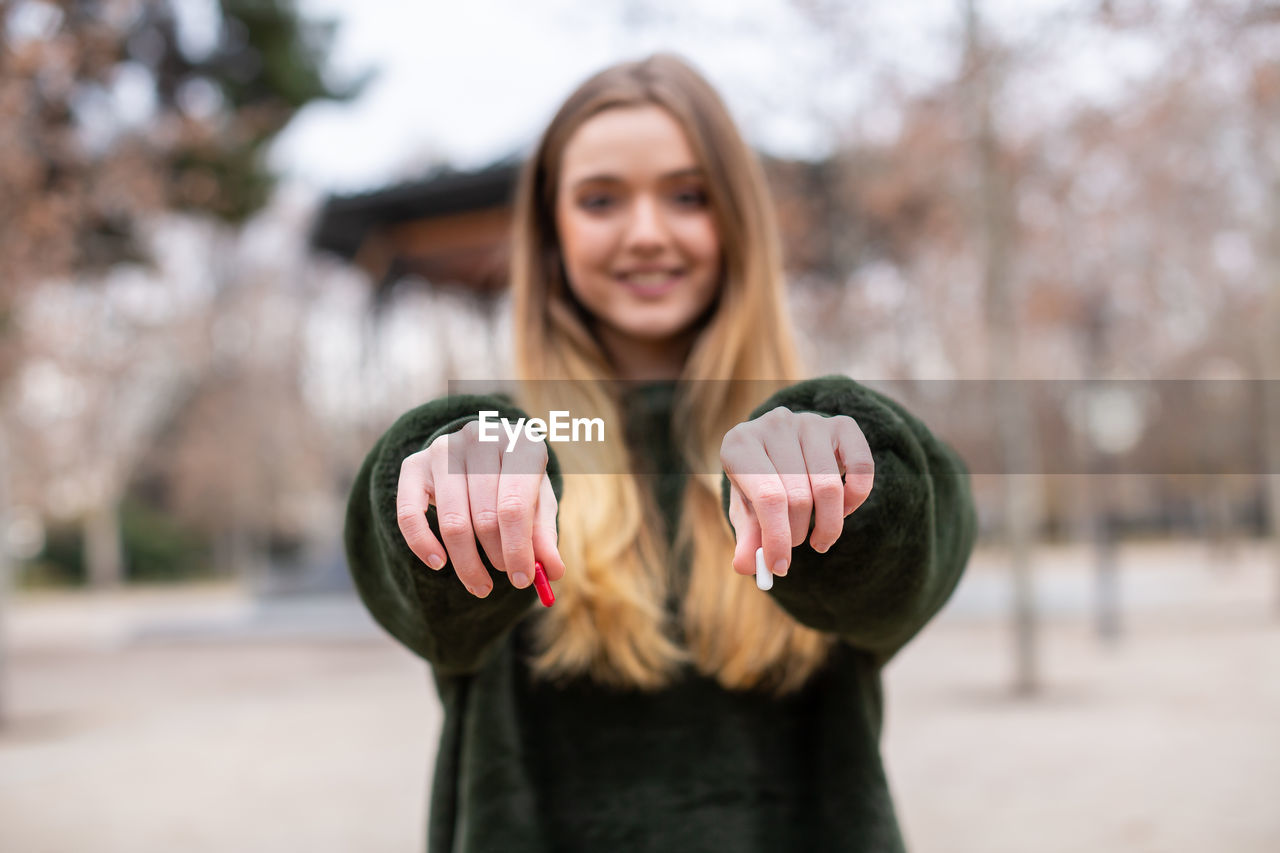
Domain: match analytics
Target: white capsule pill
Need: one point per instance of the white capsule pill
(764, 577)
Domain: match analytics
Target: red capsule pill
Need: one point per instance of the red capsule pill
(545, 595)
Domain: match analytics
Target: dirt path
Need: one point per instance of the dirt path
(196, 720)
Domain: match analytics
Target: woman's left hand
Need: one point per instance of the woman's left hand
(784, 467)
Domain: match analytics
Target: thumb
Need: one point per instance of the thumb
(546, 535)
(746, 530)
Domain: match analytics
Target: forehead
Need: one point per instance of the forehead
(627, 143)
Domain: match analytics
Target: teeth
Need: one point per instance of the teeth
(649, 277)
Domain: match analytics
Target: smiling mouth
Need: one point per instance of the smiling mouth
(651, 283)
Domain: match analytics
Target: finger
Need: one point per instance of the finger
(766, 498)
(746, 531)
(517, 503)
(855, 457)
(818, 443)
(413, 496)
(784, 451)
(546, 538)
(453, 512)
(483, 477)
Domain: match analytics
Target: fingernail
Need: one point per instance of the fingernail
(520, 579)
(780, 568)
(821, 550)
(435, 561)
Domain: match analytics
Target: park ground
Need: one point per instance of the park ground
(200, 719)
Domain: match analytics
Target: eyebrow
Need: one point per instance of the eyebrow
(604, 177)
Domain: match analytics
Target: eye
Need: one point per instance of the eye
(692, 197)
(595, 201)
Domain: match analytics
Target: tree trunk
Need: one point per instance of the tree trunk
(245, 555)
(6, 574)
(1013, 415)
(1271, 373)
(104, 553)
(1222, 534)
(1270, 363)
(1268, 336)
(1107, 616)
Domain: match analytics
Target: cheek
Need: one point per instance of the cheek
(584, 245)
(701, 239)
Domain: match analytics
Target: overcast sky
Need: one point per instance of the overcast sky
(470, 82)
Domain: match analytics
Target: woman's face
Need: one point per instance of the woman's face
(637, 234)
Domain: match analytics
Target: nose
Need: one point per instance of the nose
(647, 229)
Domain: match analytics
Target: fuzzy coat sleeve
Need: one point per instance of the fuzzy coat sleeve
(430, 612)
(903, 551)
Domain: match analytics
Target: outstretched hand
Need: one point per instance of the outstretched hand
(501, 500)
(784, 468)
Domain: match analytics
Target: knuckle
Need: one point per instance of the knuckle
(454, 524)
(532, 448)
(799, 495)
(771, 496)
(817, 428)
(407, 514)
(455, 449)
(734, 440)
(485, 520)
(527, 458)
(827, 488)
(481, 461)
(511, 509)
(726, 454)
(862, 467)
(530, 442)
(800, 502)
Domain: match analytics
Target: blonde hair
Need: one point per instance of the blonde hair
(610, 619)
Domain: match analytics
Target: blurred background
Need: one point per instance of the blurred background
(240, 237)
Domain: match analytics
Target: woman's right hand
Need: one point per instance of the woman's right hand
(481, 492)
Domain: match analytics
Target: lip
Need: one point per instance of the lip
(650, 290)
(650, 268)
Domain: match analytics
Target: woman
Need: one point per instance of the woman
(664, 702)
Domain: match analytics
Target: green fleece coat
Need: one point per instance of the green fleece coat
(524, 766)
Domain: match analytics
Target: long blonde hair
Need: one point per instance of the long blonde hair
(610, 621)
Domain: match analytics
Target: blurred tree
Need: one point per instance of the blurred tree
(996, 223)
(111, 112)
(114, 112)
(929, 225)
(1145, 238)
(1260, 20)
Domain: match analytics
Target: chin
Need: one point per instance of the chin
(655, 332)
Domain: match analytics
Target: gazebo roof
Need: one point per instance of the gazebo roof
(344, 221)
